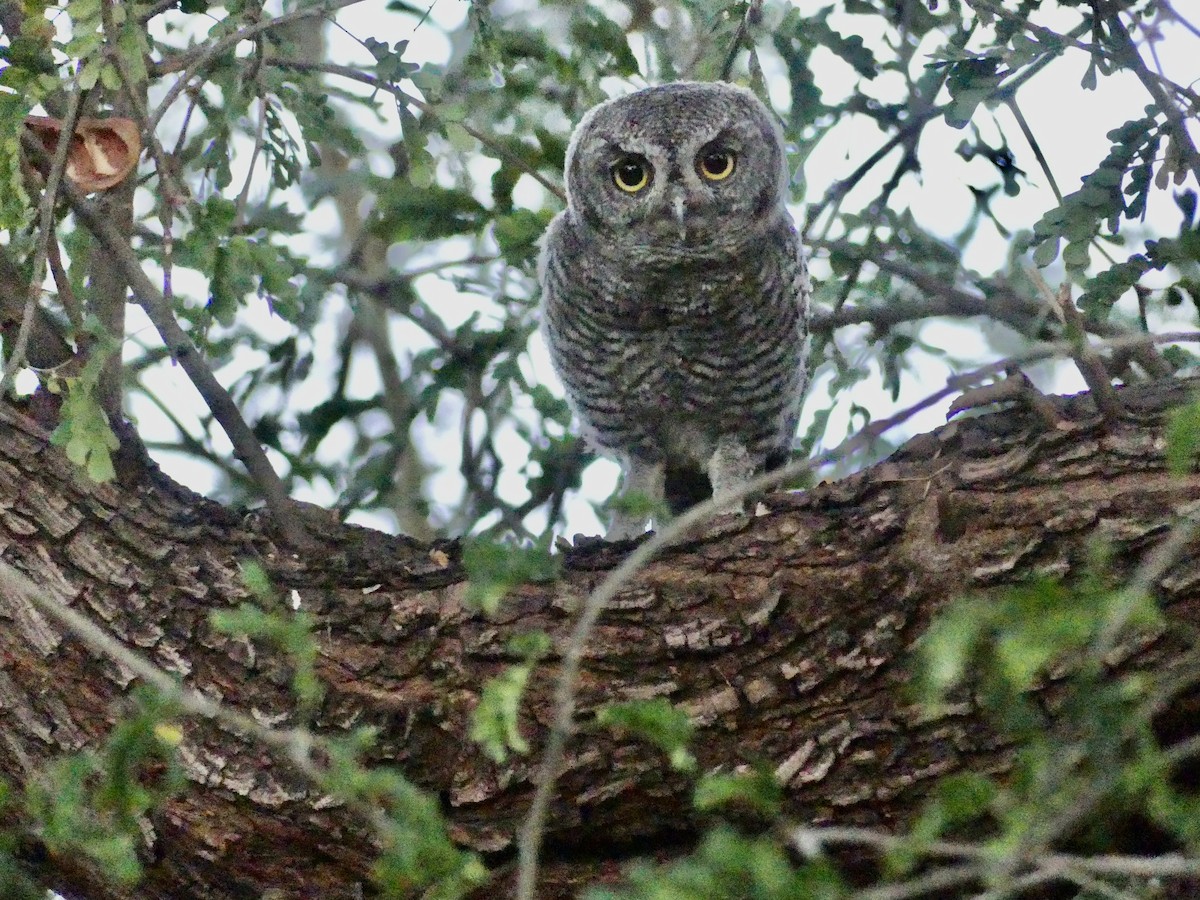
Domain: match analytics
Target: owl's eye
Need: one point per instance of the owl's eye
(631, 173)
(717, 164)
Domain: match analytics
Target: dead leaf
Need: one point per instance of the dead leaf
(102, 152)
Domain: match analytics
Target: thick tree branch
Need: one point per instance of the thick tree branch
(785, 640)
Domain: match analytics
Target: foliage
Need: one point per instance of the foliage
(416, 852)
(92, 803)
(494, 567)
(290, 631)
(658, 722)
(494, 722)
(729, 865)
(85, 433)
(390, 366)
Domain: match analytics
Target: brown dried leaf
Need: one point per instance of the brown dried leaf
(102, 152)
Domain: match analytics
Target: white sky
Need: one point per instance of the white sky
(1070, 124)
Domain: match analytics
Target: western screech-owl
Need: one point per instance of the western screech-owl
(675, 293)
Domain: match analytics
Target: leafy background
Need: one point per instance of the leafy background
(350, 215)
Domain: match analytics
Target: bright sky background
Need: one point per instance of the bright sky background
(1069, 123)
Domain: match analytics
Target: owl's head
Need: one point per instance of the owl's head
(684, 171)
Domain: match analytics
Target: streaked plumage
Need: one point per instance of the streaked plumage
(675, 295)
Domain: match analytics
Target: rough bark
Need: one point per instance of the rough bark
(786, 641)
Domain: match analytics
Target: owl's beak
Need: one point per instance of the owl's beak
(680, 206)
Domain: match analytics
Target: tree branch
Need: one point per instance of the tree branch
(158, 309)
(784, 638)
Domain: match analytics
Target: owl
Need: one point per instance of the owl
(675, 295)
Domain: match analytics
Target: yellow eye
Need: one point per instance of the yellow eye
(717, 165)
(631, 173)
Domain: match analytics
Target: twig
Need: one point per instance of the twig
(307, 751)
(172, 192)
(16, 585)
(159, 311)
(383, 85)
(839, 189)
(299, 746)
(1035, 146)
(1090, 366)
(752, 16)
(1096, 886)
(1128, 55)
(529, 844)
(156, 9)
(46, 232)
(1165, 6)
(1169, 865)
(239, 218)
(62, 282)
(1047, 35)
(209, 54)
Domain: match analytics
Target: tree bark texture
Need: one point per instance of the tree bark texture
(785, 640)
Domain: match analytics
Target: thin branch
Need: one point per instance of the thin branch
(931, 882)
(1096, 886)
(1166, 6)
(381, 84)
(299, 746)
(260, 138)
(941, 298)
(1090, 366)
(1170, 865)
(172, 192)
(46, 232)
(16, 585)
(157, 9)
(211, 53)
(1046, 35)
(1035, 146)
(62, 283)
(752, 16)
(839, 189)
(1130, 58)
(158, 309)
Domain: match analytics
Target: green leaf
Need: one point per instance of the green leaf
(83, 431)
(495, 720)
(416, 853)
(290, 631)
(758, 790)
(656, 721)
(517, 234)
(946, 648)
(1183, 438)
(15, 208)
(93, 803)
(408, 212)
(957, 800)
(1076, 256)
(495, 567)
(1046, 253)
(970, 82)
(494, 723)
(592, 29)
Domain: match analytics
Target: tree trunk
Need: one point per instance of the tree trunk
(785, 641)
